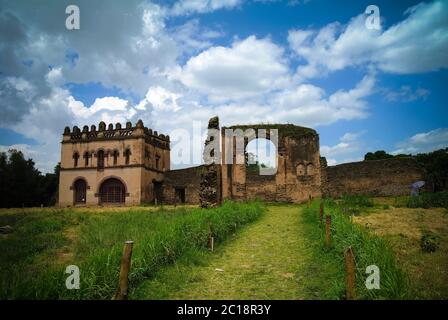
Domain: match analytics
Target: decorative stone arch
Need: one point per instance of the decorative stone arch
(300, 169)
(240, 145)
(79, 187)
(115, 196)
(76, 157)
(111, 177)
(310, 170)
(127, 155)
(115, 153)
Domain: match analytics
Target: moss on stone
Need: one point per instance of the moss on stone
(284, 130)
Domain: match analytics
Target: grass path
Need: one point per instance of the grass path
(266, 260)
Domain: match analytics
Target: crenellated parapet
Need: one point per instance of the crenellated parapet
(118, 132)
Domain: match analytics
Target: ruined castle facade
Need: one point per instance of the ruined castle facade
(131, 165)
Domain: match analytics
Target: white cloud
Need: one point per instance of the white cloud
(186, 7)
(248, 68)
(417, 44)
(424, 142)
(308, 104)
(349, 149)
(160, 99)
(406, 94)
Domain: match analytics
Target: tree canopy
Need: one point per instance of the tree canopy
(435, 164)
(22, 185)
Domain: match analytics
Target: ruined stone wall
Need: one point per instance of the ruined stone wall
(390, 177)
(188, 179)
(298, 169)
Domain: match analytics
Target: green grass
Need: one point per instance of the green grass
(269, 259)
(33, 261)
(368, 249)
(424, 200)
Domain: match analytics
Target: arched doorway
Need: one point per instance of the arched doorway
(112, 191)
(80, 188)
(261, 156)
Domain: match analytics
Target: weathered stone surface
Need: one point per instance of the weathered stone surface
(209, 186)
(389, 177)
(298, 168)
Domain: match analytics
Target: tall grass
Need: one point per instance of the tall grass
(160, 238)
(424, 200)
(368, 249)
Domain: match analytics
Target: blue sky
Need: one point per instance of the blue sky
(177, 63)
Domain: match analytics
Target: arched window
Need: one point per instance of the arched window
(79, 188)
(112, 191)
(115, 156)
(75, 159)
(300, 170)
(127, 156)
(100, 159)
(261, 156)
(157, 161)
(310, 169)
(86, 159)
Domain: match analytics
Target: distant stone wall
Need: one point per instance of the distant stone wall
(188, 179)
(390, 177)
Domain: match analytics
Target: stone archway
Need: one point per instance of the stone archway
(79, 191)
(112, 191)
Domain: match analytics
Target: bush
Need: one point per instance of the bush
(356, 201)
(428, 200)
(429, 241)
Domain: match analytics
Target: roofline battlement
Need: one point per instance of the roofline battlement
(115, 133)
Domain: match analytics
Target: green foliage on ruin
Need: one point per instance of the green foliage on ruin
(284, 130)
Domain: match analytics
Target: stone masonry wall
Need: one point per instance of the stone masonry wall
(390, 177)
(188, 179)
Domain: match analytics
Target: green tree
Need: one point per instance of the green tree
(21, 184)
(436, 165)
(377, 155)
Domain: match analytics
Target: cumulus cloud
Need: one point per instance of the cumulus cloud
(176, 70)
(249, 67)
(416, 44)
(308, 104)
(350, 148)
(424, 142)
(186, 7)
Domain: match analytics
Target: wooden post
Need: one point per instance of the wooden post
(321, 213)
(350, 274)
(309, 200)
(210, 237)
(328, 231)
(122, 293)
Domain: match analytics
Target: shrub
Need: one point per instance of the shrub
(429, 241)
(356, 201)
